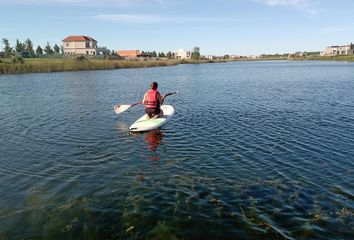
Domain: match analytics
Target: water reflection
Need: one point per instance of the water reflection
(121, 126)
(154, 139)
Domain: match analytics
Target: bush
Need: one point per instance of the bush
(113, 57)
(17, 59)
(80, 58)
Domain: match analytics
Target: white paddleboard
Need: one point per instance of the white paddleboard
(145, 124)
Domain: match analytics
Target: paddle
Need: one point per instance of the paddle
(122, 108)
(118, 109)
(169, 94)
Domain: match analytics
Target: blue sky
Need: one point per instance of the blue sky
(218, 27)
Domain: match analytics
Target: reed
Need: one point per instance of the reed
(342, 58)
(348, 58)
(37, 65)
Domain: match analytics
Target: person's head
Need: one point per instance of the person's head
(154, 85)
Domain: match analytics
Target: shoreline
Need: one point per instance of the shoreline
(48, 65)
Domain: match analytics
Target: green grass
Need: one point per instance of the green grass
(36, 65)
(343, 58)
(348, 58)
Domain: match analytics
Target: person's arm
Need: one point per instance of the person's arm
(160, 98)
(144, 98)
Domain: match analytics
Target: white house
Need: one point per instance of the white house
(339, 50)
(80, 45)
(182, 54)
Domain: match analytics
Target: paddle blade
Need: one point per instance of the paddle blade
(121, 108)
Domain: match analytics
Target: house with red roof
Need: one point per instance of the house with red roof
(129, 54)
(82, 45)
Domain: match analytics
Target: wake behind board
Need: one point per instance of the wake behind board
(145, 124)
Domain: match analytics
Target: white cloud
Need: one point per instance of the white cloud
(148, 19)
(307, 6)
(84, 3)
(132, 18)
(284, 2)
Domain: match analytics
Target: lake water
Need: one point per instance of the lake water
(256, 150)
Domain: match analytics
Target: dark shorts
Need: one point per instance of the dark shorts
(152, 111)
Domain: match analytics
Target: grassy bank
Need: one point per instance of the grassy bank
(36, 65)
(343, 58)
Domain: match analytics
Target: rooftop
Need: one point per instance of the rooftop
(78, 39)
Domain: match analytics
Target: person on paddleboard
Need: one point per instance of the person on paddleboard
(153, 101)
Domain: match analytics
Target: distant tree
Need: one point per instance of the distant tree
(162, 54)
(145, 54)
(107, 52)
(29, 47)
(20, 47)
(226, 56)
(313, 53)
(196, 53)
(39, 50)
(56, 49)
(48, 49)
(62, 49)
(153, 54)
(7, 48)
(169, 55)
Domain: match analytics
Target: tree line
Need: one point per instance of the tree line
(155, 54)
(26, 49)
(195, 54)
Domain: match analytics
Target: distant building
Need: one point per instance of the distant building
(181, 54)
(253, 56)
(339, 50)
(129, 54)
(297, 54)
(85, 45)
(234, 56)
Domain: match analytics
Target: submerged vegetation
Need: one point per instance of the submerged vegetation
(137, 213)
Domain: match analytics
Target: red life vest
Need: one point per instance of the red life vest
(151, 99)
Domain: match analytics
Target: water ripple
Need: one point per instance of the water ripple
(255, 150)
